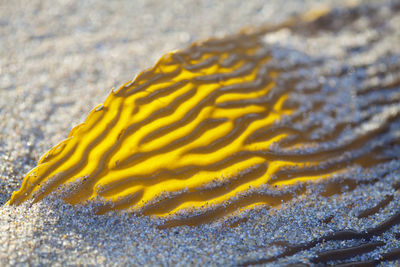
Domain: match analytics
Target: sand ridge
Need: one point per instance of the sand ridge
(358, 51)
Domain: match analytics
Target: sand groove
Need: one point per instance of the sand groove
(218, 127)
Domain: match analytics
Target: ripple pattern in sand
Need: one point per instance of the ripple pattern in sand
(223, 125)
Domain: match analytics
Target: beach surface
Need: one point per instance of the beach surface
(58, 60)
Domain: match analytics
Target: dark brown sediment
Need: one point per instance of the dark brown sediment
(339, 235)
(382, 204)
(346, 252)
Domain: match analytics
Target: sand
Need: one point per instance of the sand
(59, 60)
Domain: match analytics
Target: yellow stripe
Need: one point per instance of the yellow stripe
(196, 130)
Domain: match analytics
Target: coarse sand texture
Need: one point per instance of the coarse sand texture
(277, 144)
